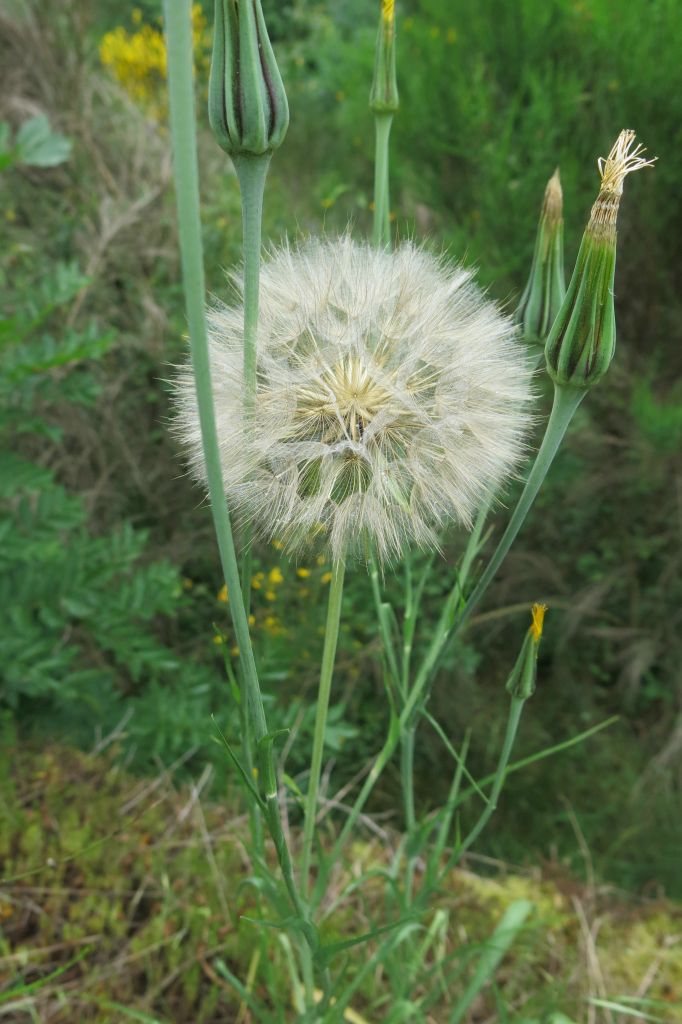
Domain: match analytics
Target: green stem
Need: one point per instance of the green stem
(382, 129)
(515, 710)
(326, 672)
(566, 401)
(407, 774)
(183, 131)
(407, 782)
(383, 617)
(252, 172)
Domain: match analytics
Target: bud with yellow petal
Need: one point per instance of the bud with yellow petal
(546, 287)
(383, 98)
(521, 682)
(582, 340)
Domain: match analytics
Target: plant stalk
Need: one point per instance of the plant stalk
(252, 172)
(566, 401)
(183, 131)
(326, 673)
(515, 710)
(382, 130)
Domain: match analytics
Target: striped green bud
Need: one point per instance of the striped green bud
(521, 682)
(383, 98)
(247, 104)
(546, 287)
(582, 340)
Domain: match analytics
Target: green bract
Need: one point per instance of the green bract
(247, 104)
(521, 682)
(383, 98)
(582, 340)
(546, 287)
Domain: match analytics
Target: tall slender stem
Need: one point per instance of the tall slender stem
(183, 129)
(252, 172)
(407, 737)
(382, 128)
(326, 672)
(383, 616)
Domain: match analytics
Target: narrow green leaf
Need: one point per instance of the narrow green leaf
(493, 952)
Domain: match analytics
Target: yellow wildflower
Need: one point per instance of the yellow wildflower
(326, 577)
(137, 59)
(222, 594)
(303, 573)
(270, 595)
(275, 575)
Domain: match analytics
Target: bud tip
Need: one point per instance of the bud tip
(538, 617)
(553, 203)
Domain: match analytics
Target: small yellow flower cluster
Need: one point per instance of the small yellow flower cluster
(138, 59)
(266, 585)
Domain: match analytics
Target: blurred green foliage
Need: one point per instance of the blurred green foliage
(109, 576)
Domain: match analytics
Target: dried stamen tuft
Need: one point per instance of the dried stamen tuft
(621, 161)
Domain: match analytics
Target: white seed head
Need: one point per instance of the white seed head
(392, 397)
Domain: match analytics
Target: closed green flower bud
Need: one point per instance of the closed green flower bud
(383, 98)
(521, 682)
(247, 104)
(546, 288)
(582, 340)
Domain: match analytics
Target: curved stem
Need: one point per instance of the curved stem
(326, 672)
(566, 401)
